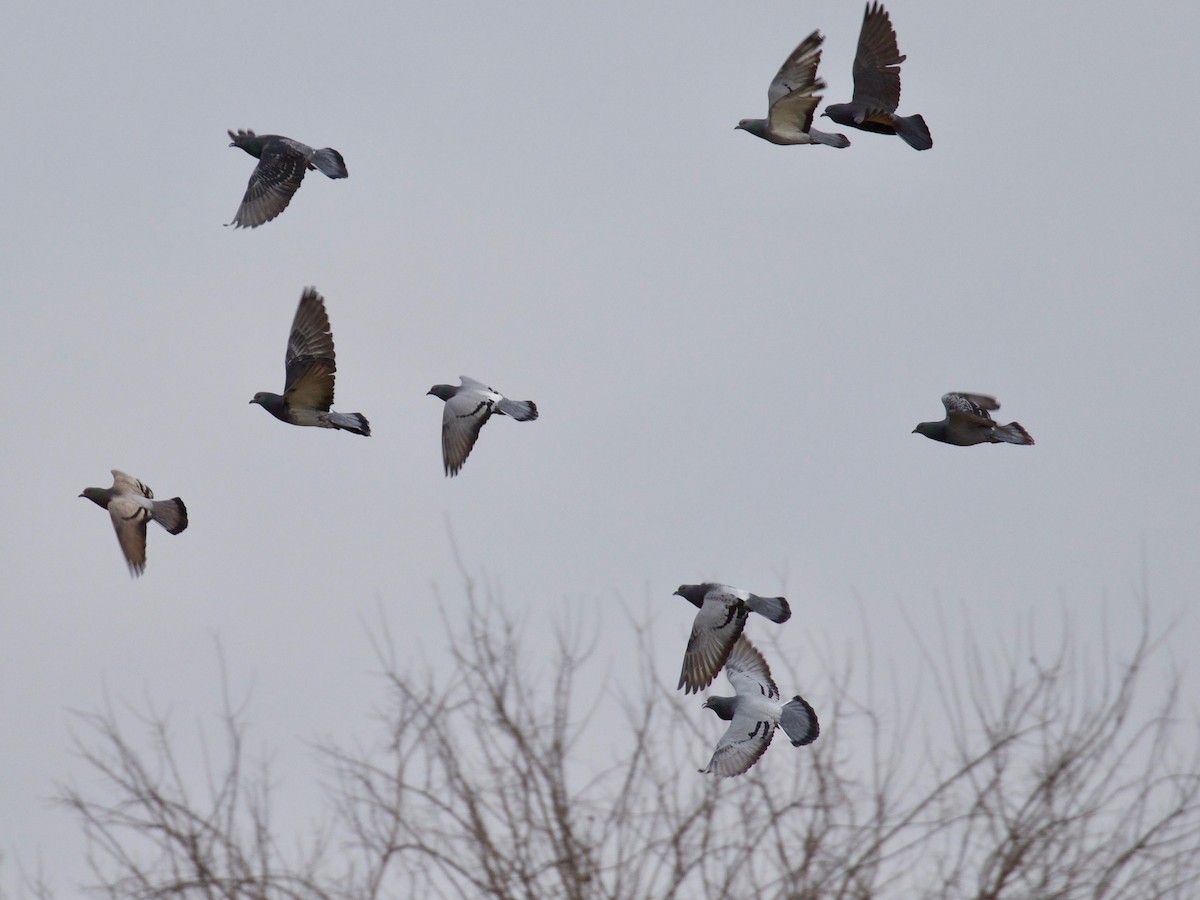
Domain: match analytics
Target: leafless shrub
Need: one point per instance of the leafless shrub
(1018, 774)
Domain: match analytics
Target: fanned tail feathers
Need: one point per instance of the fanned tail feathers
(330, 162)
(1013, 433)
(170, 514)
(774, 608)
(799, 722)
(830, 140)
(914, 131)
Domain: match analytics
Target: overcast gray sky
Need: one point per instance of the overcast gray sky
(729, 342)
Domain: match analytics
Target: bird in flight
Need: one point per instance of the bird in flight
(792, 99)
(282, 163)
(718, 624)
(131, 505)
(967, 422)
(310, 368)
(468, 407)
(877, 85)
(754, 713)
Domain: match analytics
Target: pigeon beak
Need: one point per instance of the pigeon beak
(914, 431)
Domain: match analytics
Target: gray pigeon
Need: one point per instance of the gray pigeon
(753, 714)
(792, 100)
(131, 505)
(468, 406)
(718, 625)
(282, 163)
(310, 367)
(967, 422)
(877, 85)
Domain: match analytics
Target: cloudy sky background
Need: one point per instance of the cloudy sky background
(729, 342)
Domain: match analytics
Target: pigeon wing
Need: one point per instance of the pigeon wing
(969, 408)
(877, 65)
(272, 183)
(129, 518)
(791, 96)
(744, 741)
(127, 484)
(748, 672)
(464, 415)
(310, 362)
(716, 629)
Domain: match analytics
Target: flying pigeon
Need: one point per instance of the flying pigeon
(877, 85)
(753, 714)
(308, 388)
(282, 163)
(967, 422)
(131, 505)
(468, 406)
(792, 100)
(718, 625)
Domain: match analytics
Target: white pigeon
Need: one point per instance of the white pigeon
(792, 99)
(754, 713)
(718, 624)
(131, 505)
(468, 407)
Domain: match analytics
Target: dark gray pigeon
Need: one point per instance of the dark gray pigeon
(282, 163)
(310, 367)
(877, 85)
(468, 406)
(131, 505)
(753, 714)
(967, 422)
(718, 625)
(792, 100)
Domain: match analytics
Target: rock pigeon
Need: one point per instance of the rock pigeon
(310, 367)
(282, 163)
(877, 85)
(468, 406)
(792, 101)
(967, 422)
(753, 714)
(718, 625)
(131, 505)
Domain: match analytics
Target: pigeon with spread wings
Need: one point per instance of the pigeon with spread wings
(792, 99)
(468, 407)
(718, 625)
(131, 505)
(754, 714)
(310, 367)
(967, 422)
(877, 85)
(282, 163)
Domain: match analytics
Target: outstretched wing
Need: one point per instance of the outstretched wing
(877, 63)
(464, 415)
(272, 183)
(716, 629)
(969, 408)
(792, 96)
(748, 672)
(310, 362)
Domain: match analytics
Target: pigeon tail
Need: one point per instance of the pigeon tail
(914, 131)
(774, 608)
(355, 422)
(330, 162)
(521, 410)
(799, 721)
(1013, 433)
(170, 514)
(830, 140)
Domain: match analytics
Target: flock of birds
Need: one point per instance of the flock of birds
(716, 640)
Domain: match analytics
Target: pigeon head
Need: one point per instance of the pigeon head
(756, 127)
(247, 140)
(929, 429)
(442, 391)
(99, 496)
(268, 401)
(722, 706)
(693, 593)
